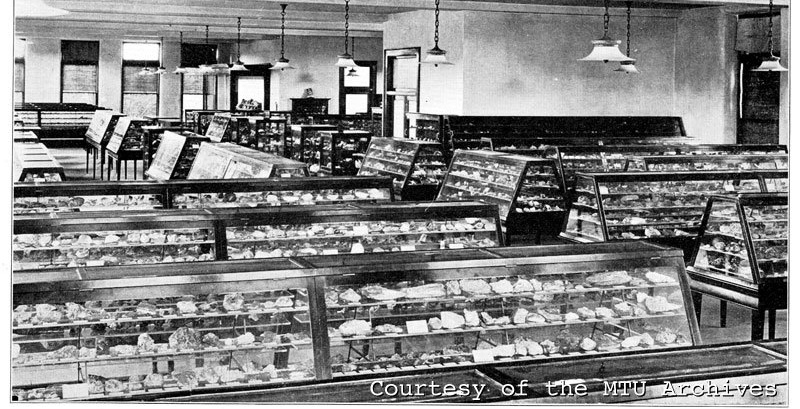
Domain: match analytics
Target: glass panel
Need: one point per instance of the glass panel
(140, 105)
(777, 185)
(540, 190)
(191, 101)
(361, 79)
(522, 316)
(769, 231)
(141, 51)
(722, 248)
(356, 103)
(79, 78)
(53, 250)
(250, 88)
(429, 168)
(722, 162)
(133, 82)
(265, 241)
(388, 158)
(193, 84)
(279, 198)
(406, 73)
(19, 77)
(486, 178)
(584, 216)
(49, 204)
(196, 341)
(80, 97)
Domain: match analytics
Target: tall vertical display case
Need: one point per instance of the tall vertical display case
(342, 152)
(417, 167)
(657, 206)
(302, 142)
(103, 333)
(529, 192)
(741, 254)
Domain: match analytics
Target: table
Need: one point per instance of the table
(34, 159)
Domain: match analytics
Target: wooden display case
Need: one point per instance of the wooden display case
(127, 143)
(341, 152)
(33, 162)
(229, 161)
(417, 167)
(687, 163)
(299, 144)
(175, 154)
(100, 130)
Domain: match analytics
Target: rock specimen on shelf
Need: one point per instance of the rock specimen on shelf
(184, 339)
(658, 278)
(588, 344)
(233, 302)
(502, 286)
(435, 323)
(471, 318)
(609, 278)
(185, 379)
(630, 342)
(349, 296)
(520, 316)
(435, 290)
(475, 286)
(154, 380)
(145, 343)
(659, 304)
(186, 307)
(453, 288)
(355, 327)
(376, 292)
(451, 320)
(586, 313)
(522, 286)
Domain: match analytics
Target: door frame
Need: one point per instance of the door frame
(388, 75)
(253, 70)
(369, 91)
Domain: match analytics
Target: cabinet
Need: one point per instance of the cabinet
(141, 332)
(174, 156)
(229, 161)
(742, 252)
(126, 144)
(309, 106)
(417, 167)
(663, 207)
(198, 119)
(683, 163)
(426, 127)
(57, 121)
(342, 152)
(300, 145)
(100, 130)
(220, 128)
(180, 194)
(529, 192)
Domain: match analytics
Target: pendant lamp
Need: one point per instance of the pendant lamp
(352, 71)
(36, 8)
(346, 60)
(206, 68)
(436, 55)
(628, 67)
(605, 48)
(772, 63)
(180, 69)
(238, 65)
(283, 62)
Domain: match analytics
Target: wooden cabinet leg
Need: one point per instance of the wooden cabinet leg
(723, 313)
(757, 325)
(697, 300)
(771, 318)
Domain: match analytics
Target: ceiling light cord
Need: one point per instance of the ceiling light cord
(436, 26)
(606, 19)
(771, 45)
(628, 12)
(346, 24)
(238, 38)
(283, 27)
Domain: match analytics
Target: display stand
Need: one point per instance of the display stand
(175, 155)
(417, 167)
(341, 152)
(229, 161)
(300, 145)
(100, 130)
(688, 163)
(126, 144)
(152, 139)
(741, 256)
(220, 129)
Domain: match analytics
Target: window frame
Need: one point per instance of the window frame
(96, 64)
(20, 60)
(142, 64)
(368, 91)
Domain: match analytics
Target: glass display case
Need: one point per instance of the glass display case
(245, 130)
(301, 142)
(198, 120)
(529, 192)
(180, 194)
(417, 167)
(174, 155)
(155, 332)
(46, 241)
(342, 152)
(220, 129)
(97, 136)
(741, 254)
(152, 139)
(684, 163)
(229, 161)
(359, 228)
(427, 127)
(33, 162)
(271, 134)
(663, 207)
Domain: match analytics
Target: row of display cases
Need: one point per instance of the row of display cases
(191, 194)
(145, 332)
(417, 167)
(230, 161)
(529, 192)
(657, 206)
(46, 241)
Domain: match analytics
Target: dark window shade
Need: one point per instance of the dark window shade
(19, 76)
(193, 84)
(79, 78)
(192, 55)
(133, 82)
(74, 52)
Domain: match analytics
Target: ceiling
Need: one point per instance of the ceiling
(261, 18)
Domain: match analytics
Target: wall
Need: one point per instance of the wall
(531, 67)
(43, 70)
(313, 59)
(109, 76)
(783, 120)
(705, 78)
(169, 92)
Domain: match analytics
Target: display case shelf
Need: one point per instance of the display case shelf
(528, 191)
(341, 153)
(417, 178)
(657, 206)
(319, 348)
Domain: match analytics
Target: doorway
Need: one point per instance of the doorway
(759, 102)
(400, 90)
(251, 85)
(357, 90)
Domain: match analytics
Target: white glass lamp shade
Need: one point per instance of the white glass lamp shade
(205, 69)
(605, 50)
(180, 70)
(628, 67)
(345, 60)
(352, 72)
(145, 72)
(436, 56)
(238, 66)
(219, 66)
(36, 8)
(283, 64)
(160, 70)
(773, 63)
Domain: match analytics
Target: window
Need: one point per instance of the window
(140, 92)
(19, 70)
(79, 61)
(357, 92)
(199, 91)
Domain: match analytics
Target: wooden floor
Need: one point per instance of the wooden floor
(738, 319)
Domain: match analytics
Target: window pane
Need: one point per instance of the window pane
(250, 88)
(18, 97)
(140, 105)
(192, 101)
(133, 82)
(75, 52)
(356, 103)
(193, 84)
(19, 77)
(84, 97)
(211, 101)
(406, 71)
(19, 48)
(140, 51)
(360, 80)
(79, 78)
